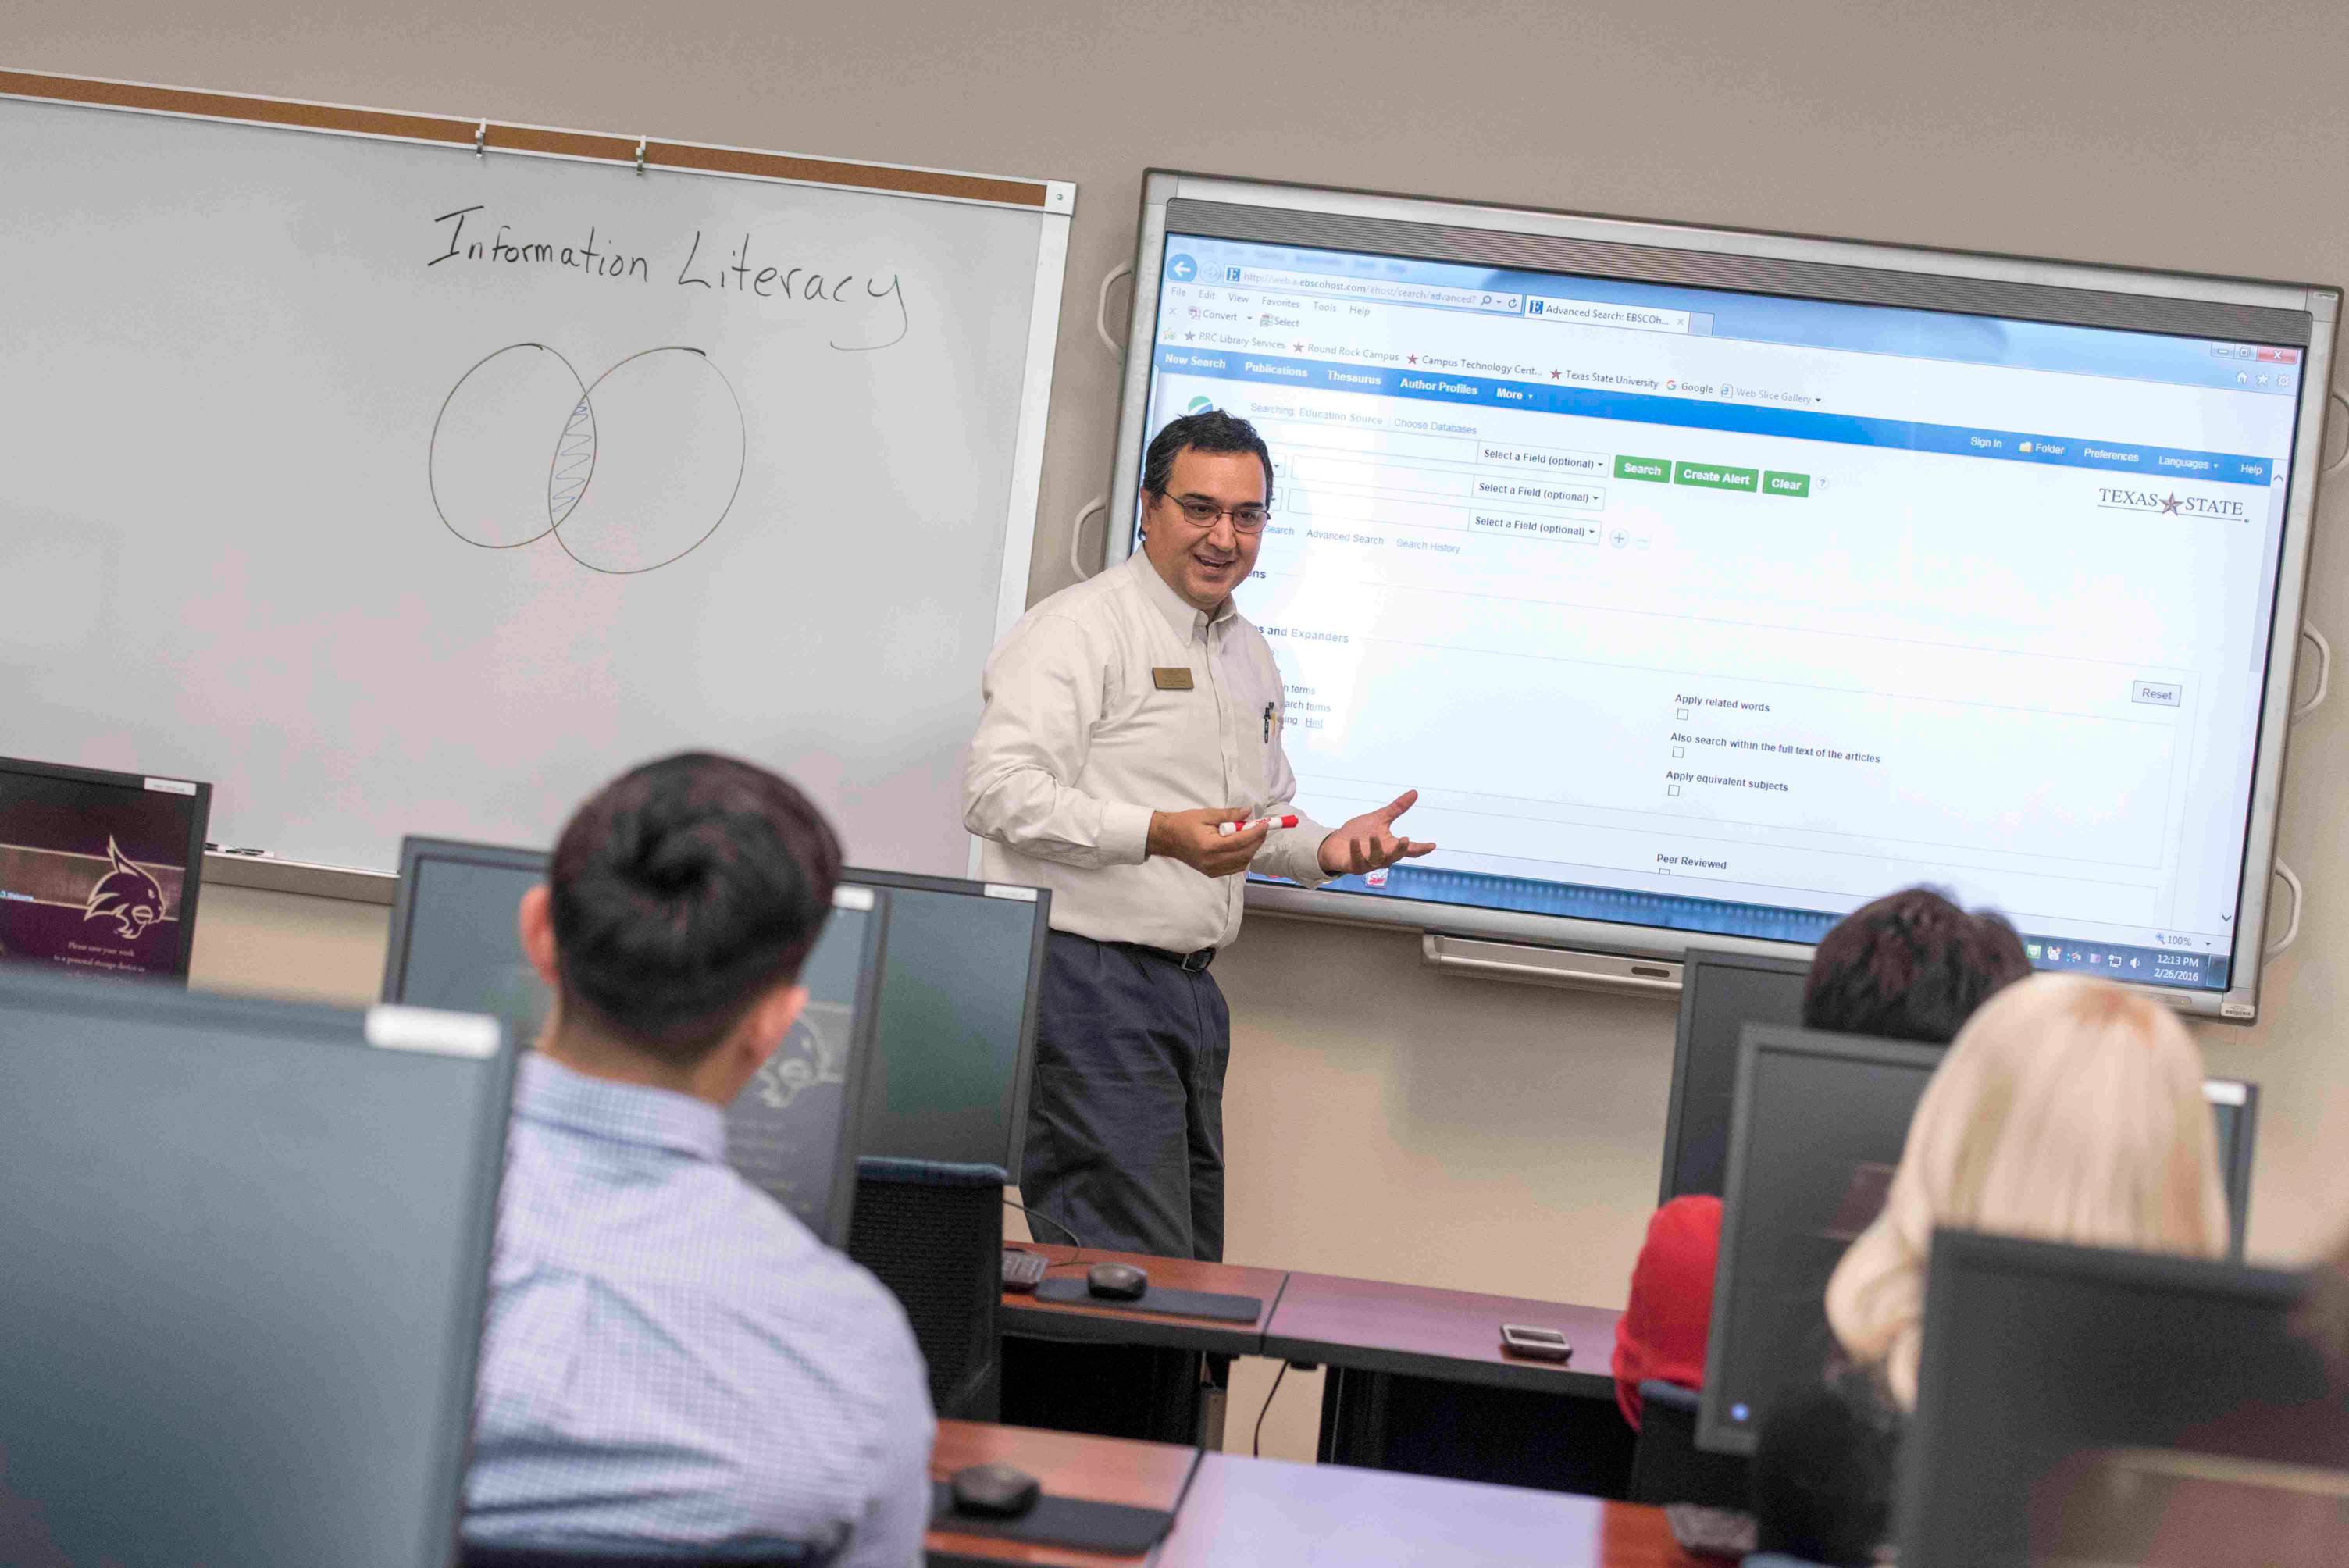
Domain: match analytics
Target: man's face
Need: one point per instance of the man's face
(1204, 564)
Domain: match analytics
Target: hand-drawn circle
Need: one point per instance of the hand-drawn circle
(669, 445)
(485, 473)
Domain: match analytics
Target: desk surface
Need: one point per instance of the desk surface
(1109, 1322)
(1243, 1511)
(1102, 1469)
(1451, 1335)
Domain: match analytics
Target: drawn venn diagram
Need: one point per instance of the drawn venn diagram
(625, 473)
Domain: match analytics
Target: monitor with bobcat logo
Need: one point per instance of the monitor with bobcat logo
(456, 944)
(99, 871)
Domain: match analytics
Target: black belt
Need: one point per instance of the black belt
(1188, 962)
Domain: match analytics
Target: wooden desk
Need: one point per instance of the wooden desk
(1114, 1323)
(1417, 1382)
(1102, 1367)
(1243, 1511)
(1102, 1469)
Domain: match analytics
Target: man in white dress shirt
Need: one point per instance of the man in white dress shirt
(1127, 718)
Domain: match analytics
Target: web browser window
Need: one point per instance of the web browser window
(1727, 613)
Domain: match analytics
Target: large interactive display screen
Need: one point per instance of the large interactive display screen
(1707, 585)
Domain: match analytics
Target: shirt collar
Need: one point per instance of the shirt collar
(547, 1091)
(1181, 614)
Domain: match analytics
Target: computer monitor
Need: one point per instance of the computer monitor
(2082, 1405)
(455, 938)
(1818, 1128)
(1820, 1123)
(2235, 1106)
(957, 1019)
(1721, 993)
(247, 1250)
(456, 943)
(100, 870)
(792, 1131)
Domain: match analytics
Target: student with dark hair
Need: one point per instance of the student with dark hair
(1909, 966)
(673, 1363)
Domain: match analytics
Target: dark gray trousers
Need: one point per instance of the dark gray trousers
(1126, 1121)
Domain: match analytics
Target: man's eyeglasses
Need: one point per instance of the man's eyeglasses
(1201, 512)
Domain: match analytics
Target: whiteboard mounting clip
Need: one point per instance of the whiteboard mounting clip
(640, 155)
(481, 139)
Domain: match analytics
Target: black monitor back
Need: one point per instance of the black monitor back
(2066, 1392)
(1818, 1128)
(244, 1266)
(1721, 993)
(456, 943)
(1821, 1120)
(100, 870)
(957, 1025)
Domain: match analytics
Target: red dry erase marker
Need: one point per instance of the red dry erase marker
(1226, 830)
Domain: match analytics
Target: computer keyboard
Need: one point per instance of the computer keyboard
(1023, 1269)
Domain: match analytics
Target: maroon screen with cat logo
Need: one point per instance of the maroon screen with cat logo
(91, 875)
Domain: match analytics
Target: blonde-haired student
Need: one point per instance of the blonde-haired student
(2067, 1109)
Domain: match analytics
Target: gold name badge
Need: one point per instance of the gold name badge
(1177, 678)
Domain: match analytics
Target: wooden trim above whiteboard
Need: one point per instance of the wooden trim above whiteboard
(496, 136)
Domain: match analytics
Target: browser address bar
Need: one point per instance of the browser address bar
(1370, 289)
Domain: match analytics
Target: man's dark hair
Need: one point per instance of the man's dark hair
(1209, 431)
(683, 890)
(1824, 1461)
(1910, 966)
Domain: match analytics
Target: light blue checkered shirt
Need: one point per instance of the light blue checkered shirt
(672, 1359)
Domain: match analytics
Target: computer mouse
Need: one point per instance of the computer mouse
(1119, 1282)
(998, 1490)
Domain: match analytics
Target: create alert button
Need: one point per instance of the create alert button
(1713, 476)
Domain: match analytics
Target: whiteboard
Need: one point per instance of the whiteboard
(397, 488)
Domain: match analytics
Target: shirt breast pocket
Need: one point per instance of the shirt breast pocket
(1262, 712)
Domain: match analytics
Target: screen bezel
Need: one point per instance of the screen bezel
(200, 818)
(863, 1037)
(1692, 969)
(1785, 264)
(1023, 1067)
(1714, 1432)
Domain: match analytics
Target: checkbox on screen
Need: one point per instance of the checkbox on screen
(1672, 789)
(1680, 751)
(1680, 713)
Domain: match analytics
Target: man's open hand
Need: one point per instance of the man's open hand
(1191, 837)
(1368, 842)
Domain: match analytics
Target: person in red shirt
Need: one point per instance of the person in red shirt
(1662, 1332)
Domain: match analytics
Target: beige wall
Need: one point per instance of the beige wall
(1383, 1120)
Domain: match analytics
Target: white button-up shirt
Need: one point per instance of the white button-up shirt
(1087, 732)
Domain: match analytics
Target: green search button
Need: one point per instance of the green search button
(1712, 476)
(1775, 483)
(1655, 471)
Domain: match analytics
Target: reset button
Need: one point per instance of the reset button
(2161, 694)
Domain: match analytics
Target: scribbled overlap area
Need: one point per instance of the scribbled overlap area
(644, 465)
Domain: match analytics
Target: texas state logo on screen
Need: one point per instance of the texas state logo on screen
(125, 895)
